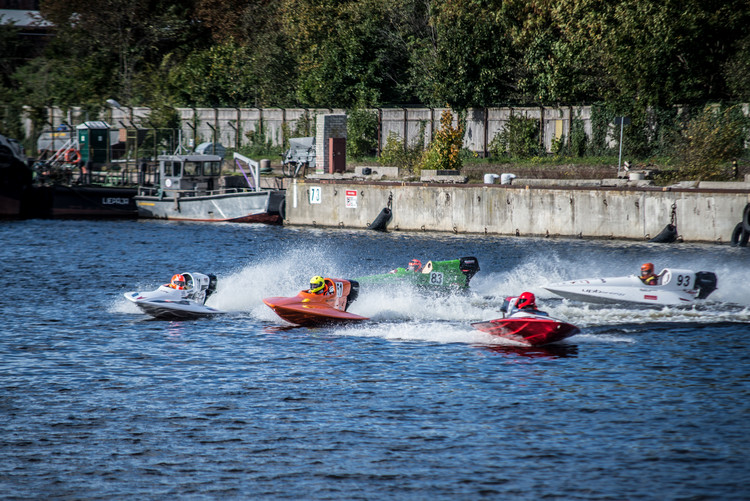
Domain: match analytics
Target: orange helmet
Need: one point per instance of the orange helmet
(526, 300)
(414, 265)
(647, 268)
(178, 281)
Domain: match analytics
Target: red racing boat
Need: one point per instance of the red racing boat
(531, 329)
(310, 310)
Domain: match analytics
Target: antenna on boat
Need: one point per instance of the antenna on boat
(180, 150)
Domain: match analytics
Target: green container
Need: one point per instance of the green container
(93, 143)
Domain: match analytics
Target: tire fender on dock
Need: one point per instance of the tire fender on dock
(740, 236)
(667, 235)
(381, 222)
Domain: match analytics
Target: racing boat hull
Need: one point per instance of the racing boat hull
(674, 288)
(531, 331)
(312, 310)
(172, 309)
(166, 303)
(309, 314)
(454, 274)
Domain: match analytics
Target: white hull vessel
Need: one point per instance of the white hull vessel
(674, 288)
(189, 190)
(167, 303)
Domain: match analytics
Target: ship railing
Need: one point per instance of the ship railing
(150, 191)
(124, 177)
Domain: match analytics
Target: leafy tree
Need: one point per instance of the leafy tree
(466, 61)
(361, 133)
(214, 77)
(346, 51)
(518, 139)
(121, 34)
(710, 139)
(444, 152)
(403, 156)
(11, 50)
(655, 52)
(258, 28)
(737, 71)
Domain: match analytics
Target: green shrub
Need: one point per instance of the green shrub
(518, 139)
(578, 138)
(407, 157)
(361, 133)
(303, 127)
(709, 141)
(259, 145)
(444, 152)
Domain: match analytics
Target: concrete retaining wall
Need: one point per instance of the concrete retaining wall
(626, 213)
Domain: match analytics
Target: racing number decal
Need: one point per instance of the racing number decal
(683, 281)
(339, 289)
(436, 278)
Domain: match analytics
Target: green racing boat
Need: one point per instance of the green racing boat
(454, 274)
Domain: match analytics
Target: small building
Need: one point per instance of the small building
(94, 142)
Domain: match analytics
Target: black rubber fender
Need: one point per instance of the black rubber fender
(667, 235)
(381, 222)
(746, 218)
(740, 236)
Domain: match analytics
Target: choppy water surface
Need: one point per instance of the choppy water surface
(97, 401)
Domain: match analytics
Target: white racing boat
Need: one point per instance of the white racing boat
(168, 303)
(673, 288)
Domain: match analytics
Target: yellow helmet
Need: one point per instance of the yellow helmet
(316, 284)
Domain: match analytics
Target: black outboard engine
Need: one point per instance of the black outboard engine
(469, 266)
(705, 282)
(212, 281)
(353, 293)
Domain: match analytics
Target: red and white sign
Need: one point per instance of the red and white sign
(351, 199)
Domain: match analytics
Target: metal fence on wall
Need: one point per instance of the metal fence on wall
(237, 127)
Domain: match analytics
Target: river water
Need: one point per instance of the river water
(97, 401)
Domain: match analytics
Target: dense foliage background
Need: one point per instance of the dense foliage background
(638, 58)
(342, 53)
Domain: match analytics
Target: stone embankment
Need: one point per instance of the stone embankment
(616, 208)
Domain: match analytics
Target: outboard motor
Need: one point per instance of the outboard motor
(469, 266)
(705, 282)
(353, 293)
(212, 281)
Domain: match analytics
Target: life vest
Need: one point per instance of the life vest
(650, 280)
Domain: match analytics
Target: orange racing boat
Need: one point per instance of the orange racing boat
(309, 310)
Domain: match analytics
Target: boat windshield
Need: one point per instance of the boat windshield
(212, 168)
(172, 168)
(509, 304)
(192, 168)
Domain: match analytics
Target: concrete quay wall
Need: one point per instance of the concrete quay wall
(626, 213)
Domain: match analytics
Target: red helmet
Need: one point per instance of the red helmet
(647, 268)
(415, 265)
(178, 281)
(526, 300)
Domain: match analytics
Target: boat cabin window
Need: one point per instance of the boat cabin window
(212, 168)
(172, 168)
(192, 168)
